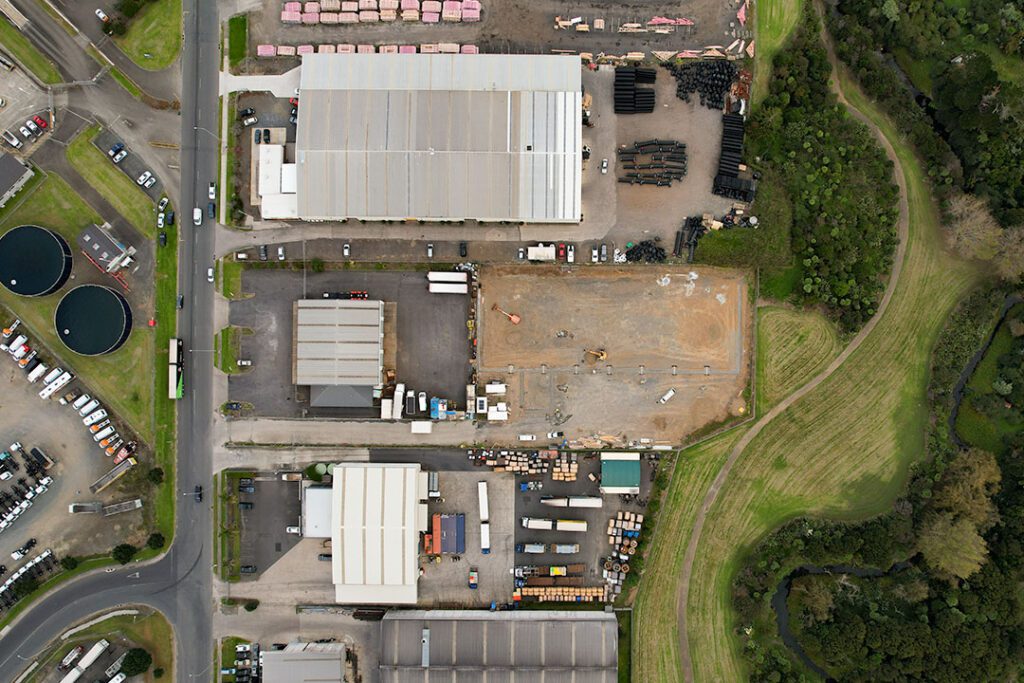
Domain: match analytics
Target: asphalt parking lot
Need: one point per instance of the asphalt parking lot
(132, 165)
(276, 506)
(446, 583)
(433, 349)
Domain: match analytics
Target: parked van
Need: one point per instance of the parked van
(21, 352)
(668, 395)
(98, 426)
(52, 375)
(94, 417)
(38, 372)
(6, 62)
(103, 434)
(18, 341)
(81, 401)
(109, 440)
(88, 407)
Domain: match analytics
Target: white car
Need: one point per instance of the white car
(33, 127)
(5, 475)
(160, 220)
(346, 250)
(209, 274)
(102, 16)
(570, 255)
(250, 121)
(151, 182)
(141, 180)
(213, 191)
(164, 201)
(25, 133)
(527, 437)
(604, 166)
(117, 158)
(594, 255)
(280, 253)
(197, 216)
(287, 530)
(17, 554)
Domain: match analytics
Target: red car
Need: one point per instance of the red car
(294, 101)
(39, 121)
(561, 251)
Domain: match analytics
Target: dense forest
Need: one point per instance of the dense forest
(965, 61)
(838, 182)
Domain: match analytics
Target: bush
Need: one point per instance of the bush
(155, 476)
(156, 541)
(25, 586)
(124, 552)
(70, 562)
(158, 673)
(316, 265)
(137, 661)
(251, 605)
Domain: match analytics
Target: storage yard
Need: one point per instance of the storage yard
(660, 328)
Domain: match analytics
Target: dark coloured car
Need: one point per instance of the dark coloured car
(256, 136)
(263, 252)
(163, 239)
(248, 111)
(266, 135)
(462, 249)
(245, 481)
(169, 218)
(247, 569)
(243, 505)
(198, 493)
(325, 557)
(233, 405)
(247, 489)
(293, 119)
(181, 301)
(211, 210)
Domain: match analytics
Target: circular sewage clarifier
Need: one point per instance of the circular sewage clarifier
(34, 261)
(92, 320)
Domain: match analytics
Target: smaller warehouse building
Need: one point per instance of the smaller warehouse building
(376, 516)
(305, 663)
(480, 645)
(104, 250)
(13, 176)
(338, 351)
(620, 473)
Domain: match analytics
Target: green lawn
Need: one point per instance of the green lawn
(238, 37)
(231, 279)
(153, 40)
(774, 20)
(228, 345)
(124, 378)
(164, 413)
(110, 181)
(26, 53)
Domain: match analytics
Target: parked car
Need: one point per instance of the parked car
(170, 218)
(163, 238)
(561, 251)
(247, 569)
(160, 220)
(151, 182)
(292, 530)
(462, 250)
(521, 254)
(119, 157)
(164, 201)
(33, 127)
(211, 210)
(115, 149)
(102, 16)
(40, 121)
(263, 252)
(256, 137)
(430, 250)
(12, 139)
(247, 489)
(212, 192)
(250, 121)
(604, 253)
(209, 274)
(571, 253)
(246, 113)
(325, 557)
(346, 250)
(141, 180)
(594, 255)
(280, 253)
(244, 362)
(25, 133)
(266, 136)
(244, 505)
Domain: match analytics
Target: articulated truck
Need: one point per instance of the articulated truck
(544, 524)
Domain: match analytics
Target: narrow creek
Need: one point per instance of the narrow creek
(781, 606)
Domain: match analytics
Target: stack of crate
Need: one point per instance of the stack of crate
(566, 593)
(565, 467)
(624, 536)
(516, 462)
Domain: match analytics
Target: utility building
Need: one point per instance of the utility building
(339, 350)
(437, 137)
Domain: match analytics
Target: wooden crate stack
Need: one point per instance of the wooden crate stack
(516, 462)
(565, 467)
(566, 593)
(624, 536)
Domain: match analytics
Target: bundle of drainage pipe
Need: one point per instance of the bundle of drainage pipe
(710, 79)
(629, 99)
(646, 251)
(652, 162)
(729, 182)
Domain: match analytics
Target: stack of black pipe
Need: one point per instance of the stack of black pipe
(646, 251)
(728, 182)
(710, 79)
(653, 162)
(693, 230)
(629, 99)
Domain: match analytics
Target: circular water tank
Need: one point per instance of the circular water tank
(92, 320)
(34, 261)
(320, 468)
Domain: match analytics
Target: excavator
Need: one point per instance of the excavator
(597, 354)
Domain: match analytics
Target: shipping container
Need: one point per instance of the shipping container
(566, 548)
(533, 548)
(448, 288)
(538, 523)
(573, 501)
(451, 276)
(570, 525)
(396, 407)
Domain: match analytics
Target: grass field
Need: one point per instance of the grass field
(26, 53)
(238, 37)
(164, 408)
(844, 449)
(228, 344)
(155, 31)
(227, 655)
(775, 20)
(792, 347)
(655, 624)
(106, 178)
(230, 283)
(123, 378)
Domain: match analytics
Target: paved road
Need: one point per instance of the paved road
(179, 584)
(65, 51)
(903, 230)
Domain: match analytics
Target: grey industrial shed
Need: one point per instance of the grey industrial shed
(477, 645)
(440, 137)
(338, 350)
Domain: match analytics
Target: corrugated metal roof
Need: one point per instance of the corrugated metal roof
(338, 342)
(535, 645)
(440, 137)
(374, 534)
(299, 664)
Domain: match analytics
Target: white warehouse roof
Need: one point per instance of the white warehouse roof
(374, 534)
(438, 137)
(338, 342)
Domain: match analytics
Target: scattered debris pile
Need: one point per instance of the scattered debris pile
(734, 179)
(647, 251)
(710, 78)
(630, 99)
(653, 162)
(624, 536)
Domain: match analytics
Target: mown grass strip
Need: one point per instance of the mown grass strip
(792, 347)
(153, 39)
(238, 39)
(775, 21)
(26, 53)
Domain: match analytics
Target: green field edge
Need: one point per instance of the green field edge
(30, 58)
(154, 38)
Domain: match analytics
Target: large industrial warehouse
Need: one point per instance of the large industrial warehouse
(437, 137)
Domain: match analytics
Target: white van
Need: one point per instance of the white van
(88, 407)
(53, 374)
(668, 395)
(40, 370)
(99, 436)
(81, 401)
(94, 417)
(16, 344)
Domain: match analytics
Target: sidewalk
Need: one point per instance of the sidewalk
(282, 85)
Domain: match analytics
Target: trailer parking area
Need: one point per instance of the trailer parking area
(662, 328)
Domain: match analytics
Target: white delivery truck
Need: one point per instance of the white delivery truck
(481, 490)
(396, 407)
(538, 523)
(40, 370)
(485, 538)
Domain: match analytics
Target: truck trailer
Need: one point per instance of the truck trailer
(481, 490)
(485, 538)
(448, 288)
(573, 501)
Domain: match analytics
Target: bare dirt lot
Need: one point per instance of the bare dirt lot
(661, 327)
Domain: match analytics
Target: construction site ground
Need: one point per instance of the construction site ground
(518, 26)
(662, 327)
